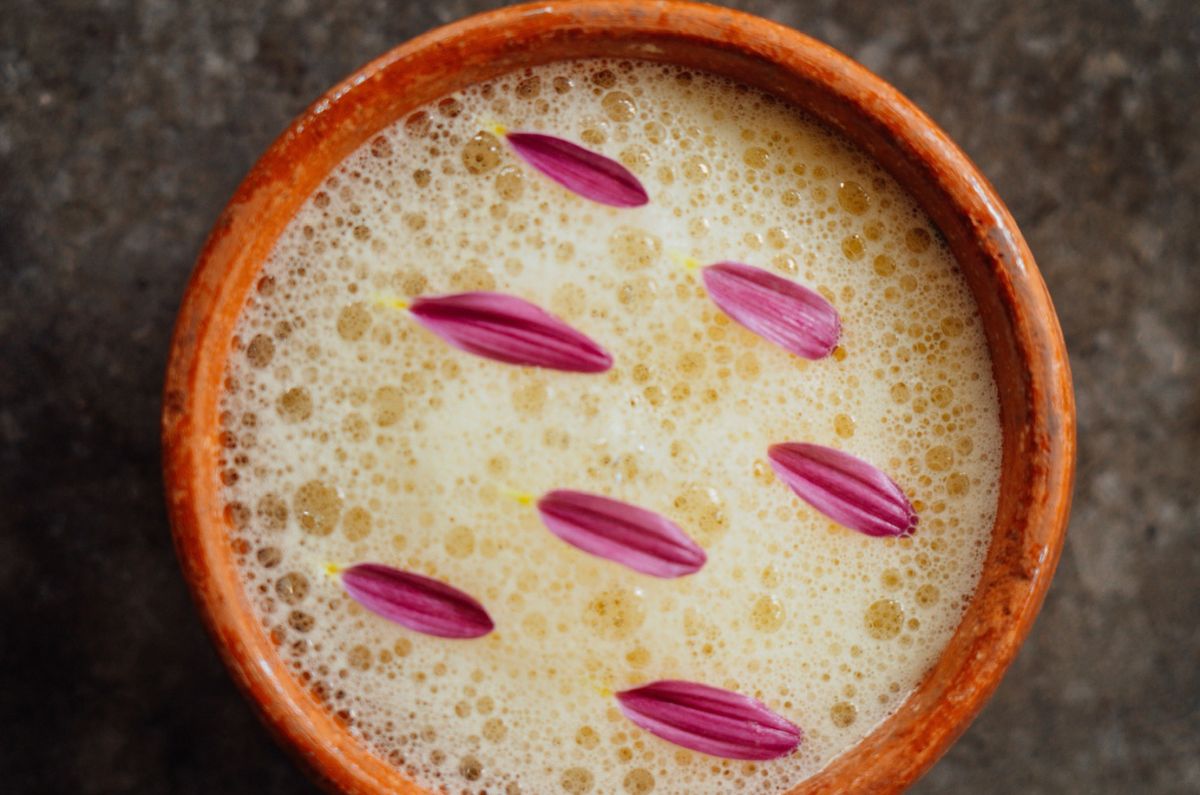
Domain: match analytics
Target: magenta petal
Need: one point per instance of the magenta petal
(509, 329)
(416, 602)
(709, 720)
(623, 533)
(579, 170)
(776, 309)
(848, 490)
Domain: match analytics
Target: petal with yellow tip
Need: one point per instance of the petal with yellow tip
(509, 329)
(848, 490)
(710, 720)
(420, 603)
(778, 310)
(581, 171)
(623, 533)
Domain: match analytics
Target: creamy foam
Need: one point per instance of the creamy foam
(351, 434)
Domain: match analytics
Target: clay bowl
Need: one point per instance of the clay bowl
(1026, 345)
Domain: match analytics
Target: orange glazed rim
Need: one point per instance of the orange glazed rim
(1028, 354)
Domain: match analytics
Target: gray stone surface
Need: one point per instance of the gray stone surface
(124, 127)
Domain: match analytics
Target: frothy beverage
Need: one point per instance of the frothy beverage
(353, 434)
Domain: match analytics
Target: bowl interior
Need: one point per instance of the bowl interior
(1028, 356)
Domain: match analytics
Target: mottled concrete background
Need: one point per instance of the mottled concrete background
(125, 126)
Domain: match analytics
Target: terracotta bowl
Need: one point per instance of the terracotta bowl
(1026, 345)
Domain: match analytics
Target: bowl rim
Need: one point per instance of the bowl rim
(957, 196)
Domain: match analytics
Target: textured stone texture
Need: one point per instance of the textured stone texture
(124, 127)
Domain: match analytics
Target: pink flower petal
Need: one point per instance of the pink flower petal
(592, 176)
(416, 602)
(709, 720)
(509, 329)
(776, 309)
(848, 490)
(623, 533)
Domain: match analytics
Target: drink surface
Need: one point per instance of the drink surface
(353, 435)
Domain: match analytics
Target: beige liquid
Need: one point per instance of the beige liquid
(353, 435)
